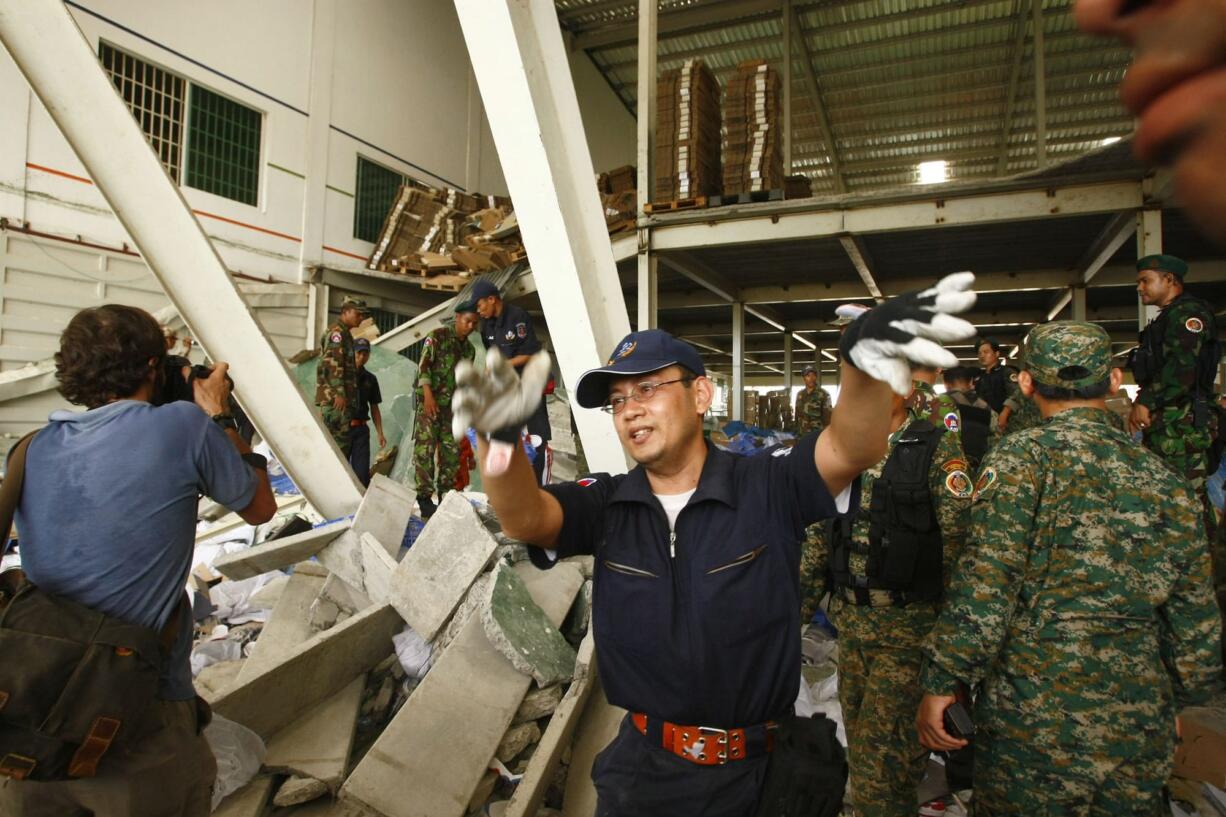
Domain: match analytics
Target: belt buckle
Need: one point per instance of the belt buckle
(722, 740)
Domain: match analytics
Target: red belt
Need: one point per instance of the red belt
(356, 423)
(704, 745)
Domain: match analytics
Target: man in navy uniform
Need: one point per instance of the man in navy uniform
(697, 567)
(508, 328)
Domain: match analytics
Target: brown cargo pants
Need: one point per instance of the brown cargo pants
(170, 773)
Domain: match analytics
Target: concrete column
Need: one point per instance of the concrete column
(476, 124)
(516, 50)
(648, 273)
(314, 193)
(63, 71)
(1149, 242)
(1040, 85)
(1079, 303)
(787, 361)
(736, 409)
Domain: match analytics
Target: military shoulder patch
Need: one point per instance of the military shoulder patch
(959, 484)
(521, 329)
(1013, 377)
(586, 482)
(955, 464)
(1194, 325)
(951, 422)
(335, 338)
(986, 480)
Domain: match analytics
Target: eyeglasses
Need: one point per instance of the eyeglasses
(641, 394)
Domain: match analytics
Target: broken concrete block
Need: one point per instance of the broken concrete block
(318, 743)
(474, 600)
(279, 553)
(266, 597)
(336, 602)
(579, 619)
(297, 790)
(361, 561)
(320, 667)
(452, 550)
(585, 563)
(421, 750)
(519, 629)
(516, 740)
(538, 703)
(557, 740)
(377, 706)
(597, 728)
(249, 801)
(289, 624)
(215, 679)
(484, 790)
(384, 512)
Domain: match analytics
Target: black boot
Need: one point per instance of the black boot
(427, 506)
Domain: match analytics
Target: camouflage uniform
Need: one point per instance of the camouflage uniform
(1024, 413)
(1083, 608)
(432, 440)
(337, 376)
(812, 410)
(879, 646)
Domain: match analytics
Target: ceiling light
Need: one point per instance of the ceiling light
(933, 172)
(1110, 140)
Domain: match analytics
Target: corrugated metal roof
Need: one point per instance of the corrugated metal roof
(901, 81)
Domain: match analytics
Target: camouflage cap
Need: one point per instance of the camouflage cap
(355, 303)
(1164, 263)
(1069, 354)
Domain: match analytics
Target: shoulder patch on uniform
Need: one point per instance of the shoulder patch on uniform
(429, 340)
(955, 464)
(521, 329)
(586, 482)
(986, 479)
(959, 484)
(951, 421)
(1013, 377)
(336, 337)
(1194, 325)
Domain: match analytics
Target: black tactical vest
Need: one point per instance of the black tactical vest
(906, 554)
(1147, 360)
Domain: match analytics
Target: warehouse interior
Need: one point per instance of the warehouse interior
(240, 181)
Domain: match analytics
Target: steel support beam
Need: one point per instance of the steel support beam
(678, 22)
(1108, 242)
(736, 407)
(1040, 86)
(1149, 242)
(1079, 303)
(785, 23)
(836, 169)
(788, 374)
(63, 71)
(1019, 43)
(521, 66)
(853, 245)
(645, 105)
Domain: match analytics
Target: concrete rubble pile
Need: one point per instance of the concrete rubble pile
(451, 677)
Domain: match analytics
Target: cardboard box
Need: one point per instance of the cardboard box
(1201, 755)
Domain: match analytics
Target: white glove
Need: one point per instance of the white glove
(886, 340)
(497, 401)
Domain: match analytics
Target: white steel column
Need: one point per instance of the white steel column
(315, 187)
(62, 69)
(1040, 85)
(517, 54)
(787, 361)
(1079, 303)
(1149, 242)
(785, 22)
(645, 105)
(736, 408)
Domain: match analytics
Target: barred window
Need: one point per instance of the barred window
(155, 97)
(223, 147)
(374, 193)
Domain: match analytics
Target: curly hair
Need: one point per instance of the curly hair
(105, 354)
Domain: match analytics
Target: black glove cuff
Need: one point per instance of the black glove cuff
(510, 435)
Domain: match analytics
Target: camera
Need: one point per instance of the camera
(178, 385)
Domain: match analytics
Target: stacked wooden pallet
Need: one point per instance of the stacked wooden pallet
(687, 135)
(753, 160)
(618, 198)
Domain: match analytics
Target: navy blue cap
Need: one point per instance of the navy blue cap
(361, 345)
(483, 288)
(638, 353)
(468, 305)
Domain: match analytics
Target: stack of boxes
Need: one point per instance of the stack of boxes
(754, 159)
(687, 133)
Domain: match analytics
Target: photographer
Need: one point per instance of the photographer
(107, 519)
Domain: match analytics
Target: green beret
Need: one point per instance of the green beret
(1071, 354)
(469, 305)
(1164, 263)
(355, 303)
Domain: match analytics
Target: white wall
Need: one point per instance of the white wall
(609, 126)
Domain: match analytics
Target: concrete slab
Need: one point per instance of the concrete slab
(249, 801)
(447, 557)
(279, 553)
(298, 790)
(361, 561)
(288, 625)
(518, 629)
(596, 730)
(516, 740)
(320, 667)
(474, 600)
(318, 743)
(384, 512)
(337, 601)
(215, 679)
(439, 745)
(559, 734)
(538, 703)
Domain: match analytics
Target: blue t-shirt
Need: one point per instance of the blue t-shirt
(108, 511)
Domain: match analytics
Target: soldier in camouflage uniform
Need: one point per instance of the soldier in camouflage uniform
(812, 405)
(1020, 414)
(1174, 408)
(336, 379)
(880, 632)
(1082, 608)
(433, 445)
